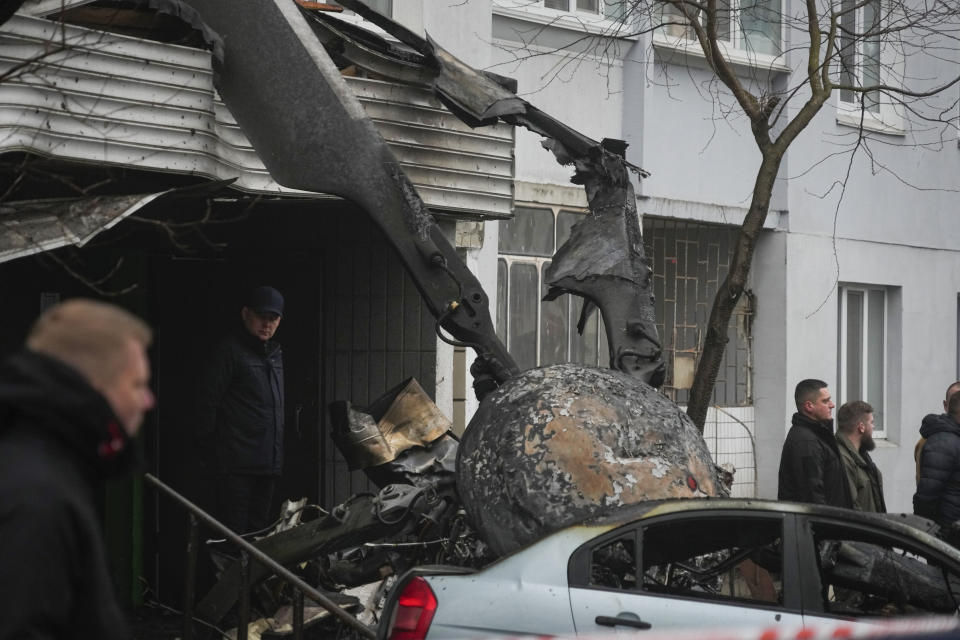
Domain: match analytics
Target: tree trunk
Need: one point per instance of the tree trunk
(730, 290)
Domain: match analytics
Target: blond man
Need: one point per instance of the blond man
(70, 402)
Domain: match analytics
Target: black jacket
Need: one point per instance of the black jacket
(59, 440)
(240, 407)
(810, 466)
(938, 486)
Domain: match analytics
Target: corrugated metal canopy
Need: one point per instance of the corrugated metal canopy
(90, 96)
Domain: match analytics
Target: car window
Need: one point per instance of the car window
(865, 573)
(715, 558)
(613, 564)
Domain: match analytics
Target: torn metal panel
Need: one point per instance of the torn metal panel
(556, 445)
(603, 261)
(403, 418)
(34, 226)
(401, 438)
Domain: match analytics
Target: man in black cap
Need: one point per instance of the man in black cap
(240, 415)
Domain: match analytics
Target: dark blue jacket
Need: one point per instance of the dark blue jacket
(811, 469)
(59, 439)
(240, 412)
(938, 485)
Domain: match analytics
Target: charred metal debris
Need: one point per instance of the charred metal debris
(581, 441)
(353, 553)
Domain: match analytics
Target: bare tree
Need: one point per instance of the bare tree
(858, 49)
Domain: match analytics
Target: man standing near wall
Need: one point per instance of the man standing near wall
(69, 405)
(240, 415)
(810, 465)
(855, 437)
(938, 488)
(918, 448)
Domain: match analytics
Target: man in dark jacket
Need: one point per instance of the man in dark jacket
(918, 448)
(69, 404)
(810, 465)
(938, 487)
(240, 415)
(855, 438)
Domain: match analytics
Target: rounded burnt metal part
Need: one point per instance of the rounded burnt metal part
(557, 444)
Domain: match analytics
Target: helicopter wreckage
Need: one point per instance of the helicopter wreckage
(547, 447)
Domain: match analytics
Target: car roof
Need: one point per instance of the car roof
(903, 523)
(572, 536)
(642, 510)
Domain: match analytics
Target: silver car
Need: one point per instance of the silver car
(684, 564)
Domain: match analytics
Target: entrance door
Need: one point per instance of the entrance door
(198, 301)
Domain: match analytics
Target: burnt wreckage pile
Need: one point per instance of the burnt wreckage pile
(404, 445)
(547, 447)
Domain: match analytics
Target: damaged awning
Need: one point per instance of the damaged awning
(91, 96)
(33, 226)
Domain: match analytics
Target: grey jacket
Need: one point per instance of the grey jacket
(866, 481)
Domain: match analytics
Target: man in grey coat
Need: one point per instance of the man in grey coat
(855, 437)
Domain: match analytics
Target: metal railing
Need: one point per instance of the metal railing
(248, 554)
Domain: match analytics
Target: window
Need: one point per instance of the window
(613, 565)
(572, 5)
(863, 347)
(865, 59)
(689, 261)
(583, 12)
(863, 573)
(539, 333)
(717, 558)
(860, 56)
(751, 26)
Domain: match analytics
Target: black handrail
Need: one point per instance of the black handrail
(261, 557)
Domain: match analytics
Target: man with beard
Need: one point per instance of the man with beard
(810, 465)
(938, 487)
(855, 437)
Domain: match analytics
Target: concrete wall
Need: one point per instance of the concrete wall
(564, 78)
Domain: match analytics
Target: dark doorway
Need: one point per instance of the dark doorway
(197, 301)
(354, 326)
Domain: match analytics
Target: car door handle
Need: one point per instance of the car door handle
(610, 621)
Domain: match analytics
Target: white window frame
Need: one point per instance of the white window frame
(890, 117)
(540, 263)
(735, 50)
(593, 22)
(880, 430)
